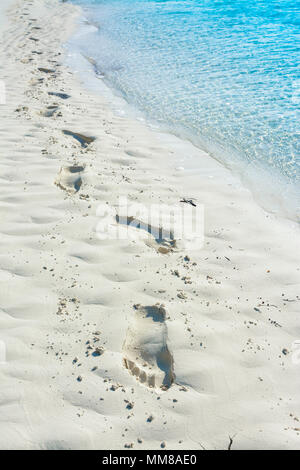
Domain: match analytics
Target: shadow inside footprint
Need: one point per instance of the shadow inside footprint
(63, 96)
(50, 111)
(69, 178)
(157, 314)
(82, 139)
(162, 237)
(145, 351)
(42, 69)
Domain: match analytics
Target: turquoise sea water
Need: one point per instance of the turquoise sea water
(223, 73)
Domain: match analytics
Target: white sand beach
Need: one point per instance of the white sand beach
(217, 324)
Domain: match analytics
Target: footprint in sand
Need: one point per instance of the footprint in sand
(145, 350)
(63, 96)
(84, 140)
(70, 178)
(50, 111)
(42, 69)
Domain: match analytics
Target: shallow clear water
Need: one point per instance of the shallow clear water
(224, 73)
